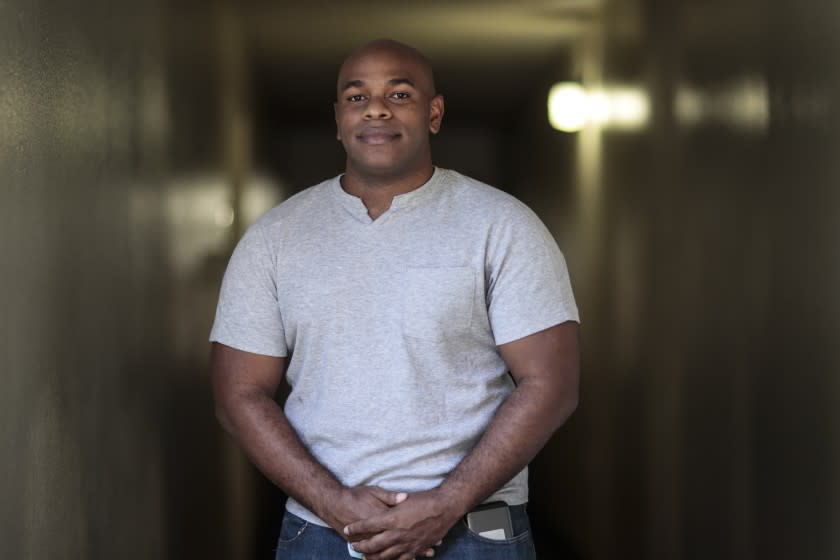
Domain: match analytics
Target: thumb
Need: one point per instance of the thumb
(386, 497)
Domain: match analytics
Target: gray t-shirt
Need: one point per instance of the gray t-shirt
(392, 326)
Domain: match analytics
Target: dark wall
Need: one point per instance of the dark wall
(110, 180)
(704, 253)
(84, 344)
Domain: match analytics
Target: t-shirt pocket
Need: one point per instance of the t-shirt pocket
(438, 302)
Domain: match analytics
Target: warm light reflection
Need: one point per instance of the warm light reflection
(743, 104)
(224, 216)
(200, 214)
(571, 107)
(629, 108)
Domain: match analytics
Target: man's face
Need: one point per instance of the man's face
(384, 112)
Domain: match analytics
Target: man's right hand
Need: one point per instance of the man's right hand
(360, 502)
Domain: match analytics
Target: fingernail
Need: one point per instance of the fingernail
(401, 496)
(347, 530)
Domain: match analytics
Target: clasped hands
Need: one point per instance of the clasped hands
(385, 525)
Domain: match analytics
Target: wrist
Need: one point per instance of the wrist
(329, 502)
(453, 501)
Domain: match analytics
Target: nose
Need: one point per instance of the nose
(377, 108)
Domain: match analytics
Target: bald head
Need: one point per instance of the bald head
(385, 110)
(407, 57)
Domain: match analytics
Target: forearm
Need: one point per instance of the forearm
(260, 427)
(520, 428)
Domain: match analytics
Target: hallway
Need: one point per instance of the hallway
(696, 202)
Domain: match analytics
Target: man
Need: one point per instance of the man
(395, 299)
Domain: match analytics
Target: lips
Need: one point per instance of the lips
(377, 136)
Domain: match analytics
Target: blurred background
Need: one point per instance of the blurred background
(693, 189)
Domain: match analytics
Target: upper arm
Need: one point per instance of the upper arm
(550, 357)
(236, 372)
(249, 315)
(528, 286)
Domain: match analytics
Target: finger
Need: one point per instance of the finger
(357, 538)
(375, 524)
(375, 545)
(386, 497)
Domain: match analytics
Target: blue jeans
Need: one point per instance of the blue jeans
(300, 540)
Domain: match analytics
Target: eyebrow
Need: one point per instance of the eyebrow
(392, 82)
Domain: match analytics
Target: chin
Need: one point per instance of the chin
(380, 167)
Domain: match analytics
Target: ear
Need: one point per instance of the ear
(337, 129)
(435, 114)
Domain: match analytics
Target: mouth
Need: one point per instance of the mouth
(377, 137)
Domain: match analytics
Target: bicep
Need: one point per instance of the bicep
(549, 356)
(236, 372)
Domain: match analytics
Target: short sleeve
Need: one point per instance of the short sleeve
(248, 314)
(528, 287)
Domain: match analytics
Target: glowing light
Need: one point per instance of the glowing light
(567, 107)
(629, 108)
(571, 107)
(598, 107)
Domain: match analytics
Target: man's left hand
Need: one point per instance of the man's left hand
(405, 531)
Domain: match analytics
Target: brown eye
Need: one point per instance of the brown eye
(400, 95)
(355, 98)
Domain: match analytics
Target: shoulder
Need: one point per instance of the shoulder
(295, 209)
(284, 223)
(485, 200)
